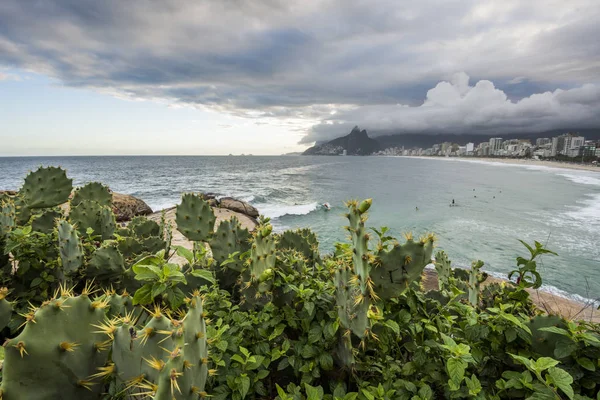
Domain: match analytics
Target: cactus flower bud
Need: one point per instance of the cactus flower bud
(365, 205)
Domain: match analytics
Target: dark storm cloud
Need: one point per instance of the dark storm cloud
(341, 62)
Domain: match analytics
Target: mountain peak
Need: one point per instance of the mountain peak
(357, 142)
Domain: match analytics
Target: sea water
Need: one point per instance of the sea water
(496, 204)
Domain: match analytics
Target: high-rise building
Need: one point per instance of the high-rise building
(470, 147)
(539, 142)
(495, 145)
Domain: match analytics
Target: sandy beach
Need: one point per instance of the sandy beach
(523, 161)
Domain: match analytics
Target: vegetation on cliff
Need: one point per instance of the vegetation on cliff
(94, 310)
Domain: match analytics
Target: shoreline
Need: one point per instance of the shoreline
(525, 162)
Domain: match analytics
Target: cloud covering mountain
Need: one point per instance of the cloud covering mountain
(383, 65)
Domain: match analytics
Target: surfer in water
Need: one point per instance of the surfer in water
(326, 206)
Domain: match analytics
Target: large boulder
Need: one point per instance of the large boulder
(126, 207)
(239, 206)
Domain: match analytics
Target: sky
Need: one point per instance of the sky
(87, 77)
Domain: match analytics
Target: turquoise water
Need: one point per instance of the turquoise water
(497, 203)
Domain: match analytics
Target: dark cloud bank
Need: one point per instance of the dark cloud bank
(383, 65)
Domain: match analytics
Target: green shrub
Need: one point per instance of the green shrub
(263, 315)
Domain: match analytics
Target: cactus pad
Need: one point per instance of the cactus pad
(71, 252)
(195, 218)
(93, 191)
(46, 187)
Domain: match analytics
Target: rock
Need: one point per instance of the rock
(239, 206)
(126, 207)
(8, 192)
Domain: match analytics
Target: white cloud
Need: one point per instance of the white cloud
(457, 107)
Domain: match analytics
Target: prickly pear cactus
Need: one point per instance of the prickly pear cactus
(86, 215)
(46, 187)
(57, 353)
(91, 215)
(397, 268)
(143, 227)
(475, 280)
(23, 212)
(303, 241)
(7, 217)
(93, 191)
(108, 223)
(6, 308)
(166, 358)
(354, 287)
(443, 268)
(257, 277)
(228, 239)
(46, 221)
(70, 250)
(195, 218)
(106, 264)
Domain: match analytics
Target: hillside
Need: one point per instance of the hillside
(356, 143)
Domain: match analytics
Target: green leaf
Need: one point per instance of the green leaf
(525, 361)
(326, 361)
(176, 298)
(474, 385)
(543, 363)
(146, 272)
(35, 282)
(586, 363)
(157, 289)
(393, 325)
(185, 253)
(277, 331)
(314, 335)
(238, 358)
(143, 295)
(555, 329)
(562, 379)
(310, 307)
(204, 274)
(313, 393)
(456, 370)
(245, 381)
(367, 394)
(262, 374)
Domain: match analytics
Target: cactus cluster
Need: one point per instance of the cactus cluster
(228, 239)
(256, 280)
(399, 267)
(303, 241)
(70, 345)
(468, 281)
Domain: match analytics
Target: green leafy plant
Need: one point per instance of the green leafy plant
(528, 276)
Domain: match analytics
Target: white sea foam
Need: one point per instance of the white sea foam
(279, 210)
(589, 212)
(582, 179)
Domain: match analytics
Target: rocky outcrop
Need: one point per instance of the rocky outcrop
(126, 207)
(8, 192)
(238, 206)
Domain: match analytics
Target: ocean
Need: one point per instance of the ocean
(497, 204)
